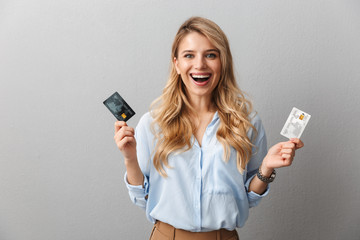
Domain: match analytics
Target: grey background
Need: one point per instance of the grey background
(61, 175)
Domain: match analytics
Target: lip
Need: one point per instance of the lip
(200, 84)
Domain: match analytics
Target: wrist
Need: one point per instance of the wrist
(265, 170)
(129, 162)
(134, 174)
(263, 176)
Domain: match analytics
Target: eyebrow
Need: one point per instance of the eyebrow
(208, 50)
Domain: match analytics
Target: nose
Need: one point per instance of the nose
(200, 63)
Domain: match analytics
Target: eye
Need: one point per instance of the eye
(211, 55)
(189, 56)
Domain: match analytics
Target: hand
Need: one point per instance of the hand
(125, 140)
(281, 155)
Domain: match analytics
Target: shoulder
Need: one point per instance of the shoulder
(147, 123)
(145, 119)
(255, 119)
(143, 130)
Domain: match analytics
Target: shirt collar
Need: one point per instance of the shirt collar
(214, 119)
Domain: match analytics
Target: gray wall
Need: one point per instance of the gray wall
(61, 175)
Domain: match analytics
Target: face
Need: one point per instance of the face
(198, 63)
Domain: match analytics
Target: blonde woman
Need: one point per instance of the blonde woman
(198, 160)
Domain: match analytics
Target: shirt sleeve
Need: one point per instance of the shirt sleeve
(138, 193)
(259, 151)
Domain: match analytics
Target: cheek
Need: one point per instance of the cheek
(184, 68)
(218, 71)
(219, 67)
(216, 66)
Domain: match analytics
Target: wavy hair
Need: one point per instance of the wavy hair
(172, 111)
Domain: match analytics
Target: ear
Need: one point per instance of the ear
(176, 65)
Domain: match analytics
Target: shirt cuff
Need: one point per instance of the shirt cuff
(254, 198)
(137, 191)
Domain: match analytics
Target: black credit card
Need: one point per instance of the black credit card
(118, 107)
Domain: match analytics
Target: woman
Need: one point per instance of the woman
(198, 161)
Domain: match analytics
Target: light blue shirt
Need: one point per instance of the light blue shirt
(202, 192)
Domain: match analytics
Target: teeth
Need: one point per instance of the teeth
(200, 76)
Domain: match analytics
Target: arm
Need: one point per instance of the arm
(135, 177)
(280, 155)
(125, 140)
(134, 174)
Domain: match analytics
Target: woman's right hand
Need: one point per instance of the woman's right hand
(125, 140)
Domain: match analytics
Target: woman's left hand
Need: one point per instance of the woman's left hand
(281, 154)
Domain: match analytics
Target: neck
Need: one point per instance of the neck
(202, 105)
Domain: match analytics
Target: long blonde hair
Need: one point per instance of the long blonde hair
(171, 111)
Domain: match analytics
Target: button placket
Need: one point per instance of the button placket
(199, 184)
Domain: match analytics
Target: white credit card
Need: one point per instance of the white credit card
(295, 124)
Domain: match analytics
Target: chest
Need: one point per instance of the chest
(199, 133)
(201, 126)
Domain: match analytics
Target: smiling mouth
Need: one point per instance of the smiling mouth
(200, 77)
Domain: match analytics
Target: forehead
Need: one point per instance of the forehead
(196, 42)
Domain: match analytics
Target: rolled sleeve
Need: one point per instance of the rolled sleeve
(138, 193)
(253, 197)
(259, 152)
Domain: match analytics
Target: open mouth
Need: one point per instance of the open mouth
(200, 77)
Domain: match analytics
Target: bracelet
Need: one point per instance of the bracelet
(266, 179)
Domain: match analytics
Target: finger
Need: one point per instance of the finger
(290, 149)
(125, 141)
(126, 128)
(119, 124)
(298, 142)
(288, 162)
(123, 133)
(288, 145)
(279, 145)
(286, 156)
(295, 140)
(286, 150)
